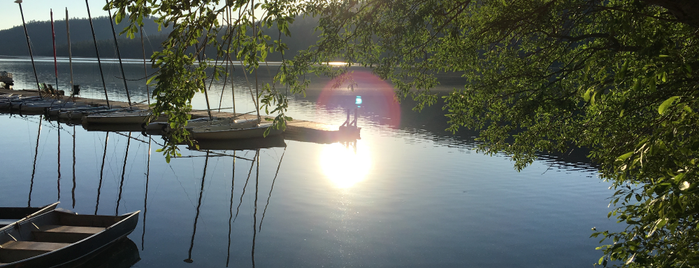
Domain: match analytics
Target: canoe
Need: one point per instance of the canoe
(60, 237)
(10, 215)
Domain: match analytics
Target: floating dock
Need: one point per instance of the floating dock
(297, 130)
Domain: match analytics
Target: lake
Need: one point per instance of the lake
(407, 194)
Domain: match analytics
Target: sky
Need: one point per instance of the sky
(39, 10)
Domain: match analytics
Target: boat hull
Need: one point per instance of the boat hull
(113, 228)
(10, 215)
(232, 134)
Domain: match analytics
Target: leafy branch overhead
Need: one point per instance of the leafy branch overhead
(618, 77)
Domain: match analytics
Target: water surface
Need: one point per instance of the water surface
(407, 194)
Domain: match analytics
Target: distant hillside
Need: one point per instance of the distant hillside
(302, 36)
(80, 36)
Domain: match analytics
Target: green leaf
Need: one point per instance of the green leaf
(586, 96)
(666, 104)
(624, 156)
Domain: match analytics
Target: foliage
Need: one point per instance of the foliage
(232, 28)
(616, 76)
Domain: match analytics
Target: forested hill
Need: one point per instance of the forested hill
(14, 42)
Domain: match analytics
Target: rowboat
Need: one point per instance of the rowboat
(10, 215)
(60, 237)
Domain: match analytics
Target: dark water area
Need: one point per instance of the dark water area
(407, 194)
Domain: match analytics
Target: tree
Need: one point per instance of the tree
(616, 76)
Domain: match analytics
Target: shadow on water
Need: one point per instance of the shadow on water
(121, 254)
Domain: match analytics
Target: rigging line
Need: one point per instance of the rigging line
(137, 139)
(181, 185)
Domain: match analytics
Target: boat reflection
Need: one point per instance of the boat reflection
(240, 144)
(121, 254)
(345, 164)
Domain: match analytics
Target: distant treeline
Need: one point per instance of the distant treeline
(14, 42)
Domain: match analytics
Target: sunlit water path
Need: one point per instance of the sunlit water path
(406, 194)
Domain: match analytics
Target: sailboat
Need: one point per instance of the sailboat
(233, 129)
(230, 129)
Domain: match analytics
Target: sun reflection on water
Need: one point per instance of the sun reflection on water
(345, 165)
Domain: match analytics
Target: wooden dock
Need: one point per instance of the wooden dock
(297, 130)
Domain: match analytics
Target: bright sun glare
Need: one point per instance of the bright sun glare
(343, 165)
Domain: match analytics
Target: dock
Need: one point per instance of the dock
(297, 130)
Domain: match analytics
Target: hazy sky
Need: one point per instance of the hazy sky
(39, 10)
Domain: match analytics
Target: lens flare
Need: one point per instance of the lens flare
(378, 100)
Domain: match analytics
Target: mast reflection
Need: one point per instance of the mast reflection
(145, 198)
(58, 186)
(74, 180)
(99, 186)
(230, 210)
(123, 173)
(254, 214)
(196, 217)
(272, 188)
(36, 153)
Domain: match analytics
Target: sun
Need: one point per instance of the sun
(345, 165)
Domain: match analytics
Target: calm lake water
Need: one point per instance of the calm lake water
(407, 194)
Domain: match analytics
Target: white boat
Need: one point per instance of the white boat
(231, 129)
(125, 116)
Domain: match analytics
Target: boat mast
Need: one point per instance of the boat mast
(121, 65)
(55, 62)
(257, 91)
(99, 63)
(31, 55)
(70, 58)
(145, 72)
